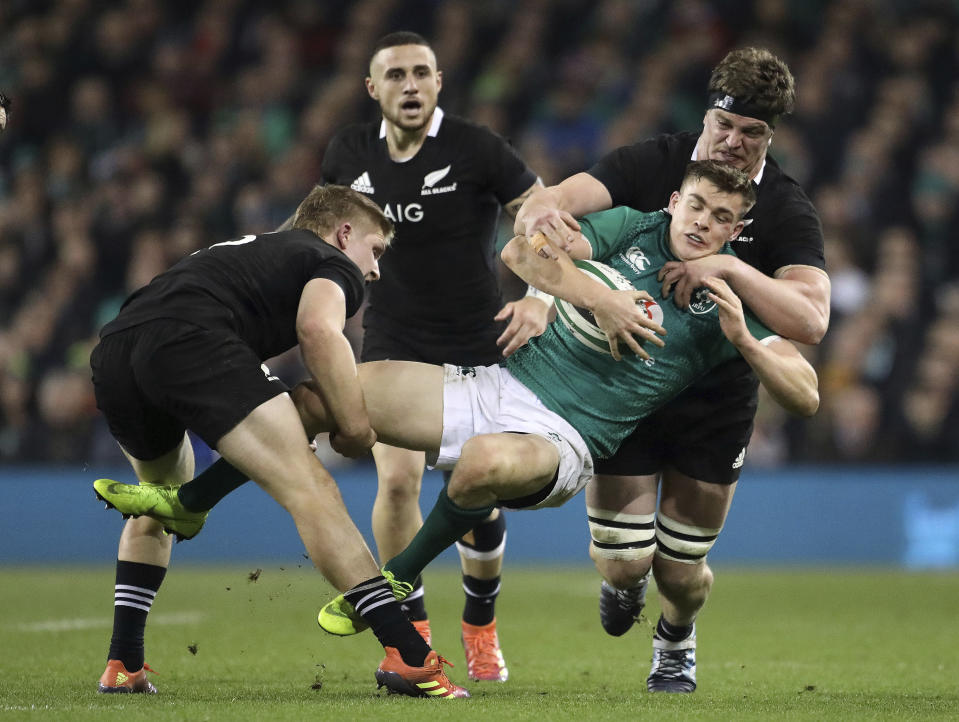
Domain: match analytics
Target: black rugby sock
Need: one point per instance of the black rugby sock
(414, 606)
(489, 539)
(672, 632)
(136, 587)
(480, 608)
(374, 601)
(205, 491)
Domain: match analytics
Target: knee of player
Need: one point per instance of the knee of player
(481, 462)
(398, 485)
(622, 544)
(681, 577)
(621, 573)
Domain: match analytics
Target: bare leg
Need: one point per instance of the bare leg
(142, 560)
(143, 539)
(491, 467)
(684, 587)
(271, 447)
(396, 510)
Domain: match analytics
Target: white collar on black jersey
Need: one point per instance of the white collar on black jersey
(757, 180)
(434, 125)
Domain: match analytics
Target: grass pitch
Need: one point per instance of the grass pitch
(242, 644)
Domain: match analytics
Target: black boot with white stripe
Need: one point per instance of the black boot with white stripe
(674, 665)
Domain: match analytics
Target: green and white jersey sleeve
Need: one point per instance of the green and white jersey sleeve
(603, 398)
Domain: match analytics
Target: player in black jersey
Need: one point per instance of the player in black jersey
(692, 449)
(186, 352)
(442, 180)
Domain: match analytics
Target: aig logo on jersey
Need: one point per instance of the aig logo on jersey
(431, 179)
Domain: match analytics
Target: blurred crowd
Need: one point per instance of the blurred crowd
(142, 130)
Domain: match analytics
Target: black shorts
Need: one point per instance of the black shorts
(155, 380)
(702, 433)
(382, 345)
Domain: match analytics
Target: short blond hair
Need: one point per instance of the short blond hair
(328, 205)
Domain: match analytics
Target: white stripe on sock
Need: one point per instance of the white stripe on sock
(128, 587)
(125, 603)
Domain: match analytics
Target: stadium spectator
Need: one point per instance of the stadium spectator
(173, 89)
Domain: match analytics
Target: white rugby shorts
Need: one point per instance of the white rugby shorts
(489, 400)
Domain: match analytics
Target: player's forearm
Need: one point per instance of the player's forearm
(558, 277)
(329, 359)
(512, 208)
(788, 377)
(795, 305)
(539, 200)
(577, 195)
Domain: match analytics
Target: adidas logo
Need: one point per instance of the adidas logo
(363, 184)
(121, 678)
(740, 459)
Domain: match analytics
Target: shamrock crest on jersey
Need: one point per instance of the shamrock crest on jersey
(700, 303)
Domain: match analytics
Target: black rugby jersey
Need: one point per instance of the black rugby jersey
(251, 285)
(785, 228)
(439, 277)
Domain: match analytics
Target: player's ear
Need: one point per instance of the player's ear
(343, 232)
(673, 202)
(439, 80)
(737, 229)
(371, 88)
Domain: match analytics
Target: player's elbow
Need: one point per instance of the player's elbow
(815, 329)
(813, 321)
(806, 402)
(512, 252)
(809, 404)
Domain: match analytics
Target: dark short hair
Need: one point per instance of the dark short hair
(327, 206)
(725, 177)
(756, 77)
(400, 37)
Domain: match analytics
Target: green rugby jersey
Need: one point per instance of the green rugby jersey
(603, 398)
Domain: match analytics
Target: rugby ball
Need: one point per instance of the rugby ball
(581, 322)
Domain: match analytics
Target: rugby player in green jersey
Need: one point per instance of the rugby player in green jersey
(524, 434)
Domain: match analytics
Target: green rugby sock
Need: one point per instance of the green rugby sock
(446, 523)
